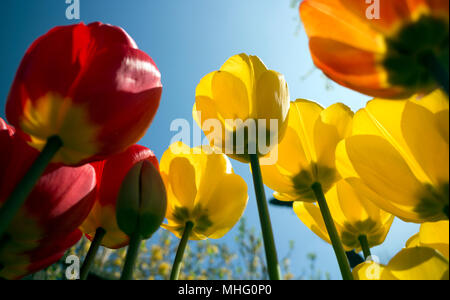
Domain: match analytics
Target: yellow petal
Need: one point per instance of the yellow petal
(276, 180)
(435, 235)
(225, 206)
(292, 158)
(413, 241)
(384, 118)
(258, 66)
(302, 118)
(419, 263)
(272, 96)
(425, 142)
(231, 96)
(347, 202)
(382, 169)
(340, 116)
(334, 124)
(204, 88)
(182, 182)
(311, 216)
(404, 212)
(344, 165)
(435, 102)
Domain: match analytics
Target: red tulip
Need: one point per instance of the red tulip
(87, 84)
(110, 174)
(47, 224)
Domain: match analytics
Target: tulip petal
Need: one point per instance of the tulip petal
(334, 124)
(331, 20)
(353, 68)
(302, 119)
(231, 96)
(273, 97)
(419, 263)
(384, 118)
(225, 206)
(435, 235)
(430, 150)
(382, 168)
(310, 215)
(413, 241)
(392, 14)
(182, 181)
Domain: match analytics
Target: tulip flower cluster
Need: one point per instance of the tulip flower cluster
(84, 95)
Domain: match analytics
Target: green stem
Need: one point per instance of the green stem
(132, 254)
(176, 268)
(264, 217)
(26, 184)
(364, 245)
(332, 232)
(437, 71)
(90, 256)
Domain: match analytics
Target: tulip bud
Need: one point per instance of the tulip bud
(142, 201)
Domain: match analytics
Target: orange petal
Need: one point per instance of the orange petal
(354, 68)
(387, 17)
(329, 19)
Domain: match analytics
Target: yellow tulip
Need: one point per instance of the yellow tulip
(434, 235)
(418, 263)
(307, 153)
(235, 105)
(353, 213)
(399, 150)
(203, 190)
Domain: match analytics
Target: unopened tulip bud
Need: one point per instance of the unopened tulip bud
(142, 201)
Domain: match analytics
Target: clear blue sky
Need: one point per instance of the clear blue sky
(187, 40)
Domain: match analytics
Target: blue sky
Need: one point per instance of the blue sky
(187, 40)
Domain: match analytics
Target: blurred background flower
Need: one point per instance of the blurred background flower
(393, 50)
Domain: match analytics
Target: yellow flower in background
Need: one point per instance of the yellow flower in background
(399, 150)
(354, 216)
(203, 189)
(434, 235)
(418, 263)
(307, 153)
(235, 105)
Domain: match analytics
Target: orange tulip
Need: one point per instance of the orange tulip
(389, 49)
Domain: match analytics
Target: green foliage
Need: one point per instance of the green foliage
(203, 260)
